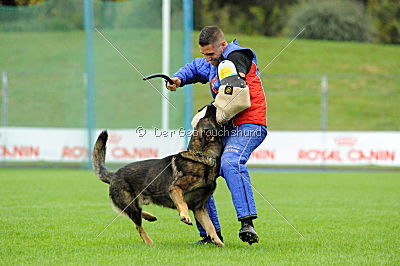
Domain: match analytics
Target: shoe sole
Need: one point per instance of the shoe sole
(248, 237)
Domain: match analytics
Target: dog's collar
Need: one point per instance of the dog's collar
(203, 154)
(200, 157)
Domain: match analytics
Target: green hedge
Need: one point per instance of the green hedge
(331, 20)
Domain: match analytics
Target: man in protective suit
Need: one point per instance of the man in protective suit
(246, 124)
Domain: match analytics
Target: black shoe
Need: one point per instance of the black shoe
(207, 239)
(247, 232)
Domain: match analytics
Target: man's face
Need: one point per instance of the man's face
(212, 52)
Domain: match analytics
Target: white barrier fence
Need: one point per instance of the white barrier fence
(279, 148)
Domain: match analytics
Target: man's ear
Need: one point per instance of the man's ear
(224, 44)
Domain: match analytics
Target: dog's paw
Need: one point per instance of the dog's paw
(148, 241)
(219, 243)
(149, 217)
(186, 219)
(152, 219)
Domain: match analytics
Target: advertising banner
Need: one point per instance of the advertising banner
(279, 148)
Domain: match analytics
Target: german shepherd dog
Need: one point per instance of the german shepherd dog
(182, 181)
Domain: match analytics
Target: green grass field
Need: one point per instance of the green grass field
(52, 216)
(47, 89)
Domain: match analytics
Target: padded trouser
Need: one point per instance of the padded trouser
(238, 146)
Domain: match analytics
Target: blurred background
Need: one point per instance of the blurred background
(342, 74)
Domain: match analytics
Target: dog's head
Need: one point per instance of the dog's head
(207, 134)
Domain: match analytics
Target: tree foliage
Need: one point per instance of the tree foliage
(331, 20)
(19, 2)
(266, 17)
(386, 17)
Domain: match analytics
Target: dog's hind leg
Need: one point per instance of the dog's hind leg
(176, 194)
(148, 216)
(130, 206)
(143, 235)
(135, 213)
(204, 219)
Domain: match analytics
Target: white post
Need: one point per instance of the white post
(166, 28)
(4, 118)
(324, 103)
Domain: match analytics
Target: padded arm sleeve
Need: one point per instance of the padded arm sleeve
(241, 60)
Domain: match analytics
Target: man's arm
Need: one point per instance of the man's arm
(195, 71)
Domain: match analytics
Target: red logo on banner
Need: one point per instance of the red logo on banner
(114, 138)
(359, 155)
(345, 141)
(76, 152)
(19, 151)
(134, 153)
(315, 155)
(263, 155)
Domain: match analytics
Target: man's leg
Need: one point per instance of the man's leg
(243, 140)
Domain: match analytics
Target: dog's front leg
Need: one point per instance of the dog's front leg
(205, 221)
(176, 194)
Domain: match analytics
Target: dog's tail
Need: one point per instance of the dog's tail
(99, 157)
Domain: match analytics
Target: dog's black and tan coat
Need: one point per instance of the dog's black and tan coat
(183, 181)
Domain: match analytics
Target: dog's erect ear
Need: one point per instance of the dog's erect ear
(211, 111)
